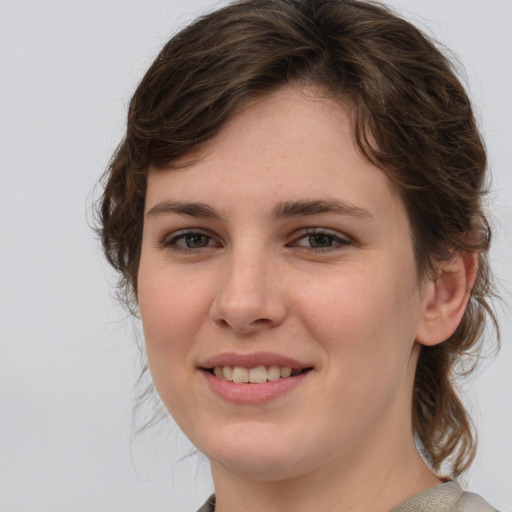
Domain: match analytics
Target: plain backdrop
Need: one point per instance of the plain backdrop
(68, 357)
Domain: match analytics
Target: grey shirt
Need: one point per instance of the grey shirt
(448, 497)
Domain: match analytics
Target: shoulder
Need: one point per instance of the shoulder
(447, 497)
(470, 502)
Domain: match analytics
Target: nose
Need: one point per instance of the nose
(248, 297)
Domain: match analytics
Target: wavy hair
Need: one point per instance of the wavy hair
(411, 117)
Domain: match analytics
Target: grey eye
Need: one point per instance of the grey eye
(321, 240)
(196, 240)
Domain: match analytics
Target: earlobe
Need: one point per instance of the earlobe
(446, 298)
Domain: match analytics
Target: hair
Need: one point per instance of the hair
(411, 117)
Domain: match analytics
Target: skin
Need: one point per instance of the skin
(352, 308)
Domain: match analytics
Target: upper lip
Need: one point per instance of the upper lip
(252, 360)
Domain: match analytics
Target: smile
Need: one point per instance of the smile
(256, 375)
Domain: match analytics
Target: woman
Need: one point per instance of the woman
(296, 213)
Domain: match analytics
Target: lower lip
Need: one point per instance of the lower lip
(248, 393)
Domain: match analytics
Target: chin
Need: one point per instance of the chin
(258, 468)
(258, 455)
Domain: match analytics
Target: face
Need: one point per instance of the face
(283, 257)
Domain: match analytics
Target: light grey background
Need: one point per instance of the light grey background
(68, 360)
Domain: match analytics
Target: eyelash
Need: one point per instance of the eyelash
(172, 243)
(336, 241)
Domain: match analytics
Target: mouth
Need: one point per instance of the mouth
(255, 375)
(254, 378)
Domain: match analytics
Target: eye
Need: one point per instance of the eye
(321, 239)
(189, 240)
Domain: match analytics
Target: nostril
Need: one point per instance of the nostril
(222, 323)
(261, 321)
(243, 327)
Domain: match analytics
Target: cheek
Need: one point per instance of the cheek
(349, 305)
(172, 309)
(169, 301)
(169, 318)
(365, 321)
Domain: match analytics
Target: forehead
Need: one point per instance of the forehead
(301, 111)
(290, 145)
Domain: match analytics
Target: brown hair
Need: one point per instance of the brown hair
(411, 118)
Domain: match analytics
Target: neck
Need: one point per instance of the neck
(357, 489)
(375, 477)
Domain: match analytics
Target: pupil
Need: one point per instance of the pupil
(320, 240)
(196, 240)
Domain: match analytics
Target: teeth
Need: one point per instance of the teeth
(286, 371)
(240, 374)
(228, 373)
(273, 373)
(257, 375)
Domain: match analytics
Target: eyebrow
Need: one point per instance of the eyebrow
(319, 206)
(192, 209)
(282, 210)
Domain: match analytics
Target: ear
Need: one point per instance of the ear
(445, 298)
